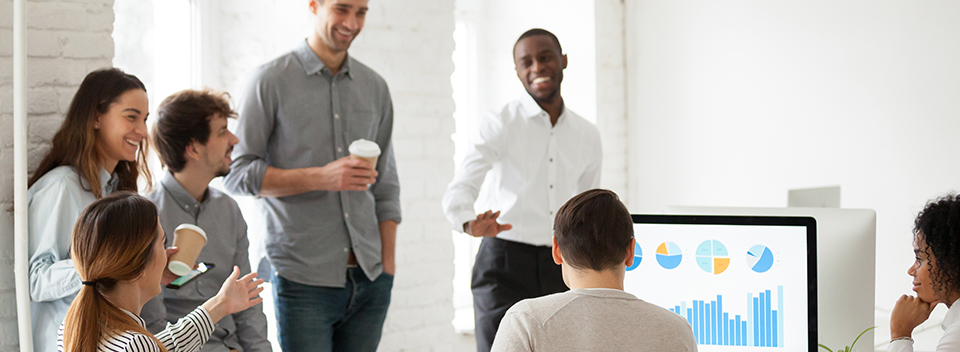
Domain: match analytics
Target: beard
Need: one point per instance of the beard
(223, 171)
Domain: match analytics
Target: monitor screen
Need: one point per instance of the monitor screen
(744, 283)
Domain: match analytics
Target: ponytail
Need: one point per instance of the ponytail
(82, 328)
(112, 243)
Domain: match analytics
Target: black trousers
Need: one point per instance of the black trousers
(506, 272)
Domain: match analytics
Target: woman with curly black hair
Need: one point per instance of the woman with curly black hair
(936, 276)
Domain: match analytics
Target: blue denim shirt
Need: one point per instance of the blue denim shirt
(53, 204)
(294, 113)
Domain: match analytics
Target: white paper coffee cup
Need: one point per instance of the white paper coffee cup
(365, 150)
(190, 239)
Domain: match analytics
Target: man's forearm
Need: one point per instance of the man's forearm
(279, 182)
(388, 243)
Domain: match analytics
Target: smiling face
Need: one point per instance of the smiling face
(922, 271)
(122, 129)
(215, 154)
(539, 65)
(337, 22)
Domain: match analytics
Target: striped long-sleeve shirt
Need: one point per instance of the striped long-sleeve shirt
(187, 335)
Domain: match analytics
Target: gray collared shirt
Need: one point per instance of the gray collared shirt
(219, 216)
(294, 114)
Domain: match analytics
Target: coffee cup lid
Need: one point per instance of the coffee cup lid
(179, 268)
(192, 227)
(364, 148)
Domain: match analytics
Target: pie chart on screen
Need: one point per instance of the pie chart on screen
(760, 258)
(668, 255)
(637, 257)
(712, 256)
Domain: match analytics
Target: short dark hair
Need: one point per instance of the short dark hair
(593, 230)
(538, 31)
(939, 223)
(183, 118)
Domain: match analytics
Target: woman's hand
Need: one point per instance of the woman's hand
(235, 295)
(908, 313)
(168, 276)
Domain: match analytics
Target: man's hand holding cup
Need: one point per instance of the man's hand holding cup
(355, 172)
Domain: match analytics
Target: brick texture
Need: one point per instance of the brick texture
(65, 40)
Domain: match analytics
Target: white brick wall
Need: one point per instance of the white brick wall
(66, 39)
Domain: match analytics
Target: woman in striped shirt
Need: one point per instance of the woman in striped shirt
(118, 251)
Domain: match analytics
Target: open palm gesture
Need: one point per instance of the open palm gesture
(486, 225)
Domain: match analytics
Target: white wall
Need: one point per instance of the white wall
(498, 23)
(732, 103)
(611, 93)
(65, 40)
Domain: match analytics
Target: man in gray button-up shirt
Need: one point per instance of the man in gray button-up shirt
(195, 145)
(331, 220)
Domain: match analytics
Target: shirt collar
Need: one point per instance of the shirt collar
(530, 109)
(175, 190)
(108, 182)
(138, 319)
(312, 63)
(953, 315)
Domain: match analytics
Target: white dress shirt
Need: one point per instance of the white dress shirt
(528, 168)
(53, 204)
(951, 334)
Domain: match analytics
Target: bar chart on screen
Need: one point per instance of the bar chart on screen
(760, 326)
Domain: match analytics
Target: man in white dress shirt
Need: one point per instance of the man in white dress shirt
(534, 155)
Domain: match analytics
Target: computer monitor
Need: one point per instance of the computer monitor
(744, 283)
(846, 256)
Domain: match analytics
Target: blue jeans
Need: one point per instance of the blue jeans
(317, 318)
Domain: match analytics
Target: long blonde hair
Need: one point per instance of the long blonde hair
(75, 143)
(113, 241)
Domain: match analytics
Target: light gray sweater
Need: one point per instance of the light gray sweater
(592, 320)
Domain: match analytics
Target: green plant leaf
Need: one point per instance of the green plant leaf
(825, 347)
(861, 335)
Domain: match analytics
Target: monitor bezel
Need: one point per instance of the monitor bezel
(808, 222)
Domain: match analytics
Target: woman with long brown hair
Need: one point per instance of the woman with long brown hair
(98, 149)
(118, 251)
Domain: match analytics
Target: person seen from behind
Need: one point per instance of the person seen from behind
(593, 242)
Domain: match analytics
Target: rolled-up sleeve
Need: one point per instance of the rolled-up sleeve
(257, 114)
(386, 191)
(53, 211)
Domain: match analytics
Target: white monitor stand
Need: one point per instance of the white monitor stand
(846, 267)
(821, 197)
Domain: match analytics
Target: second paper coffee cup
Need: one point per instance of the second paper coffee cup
(190, 239)
(366, 150)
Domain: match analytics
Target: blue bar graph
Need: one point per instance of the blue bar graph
(711, 325)
(756, 322)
